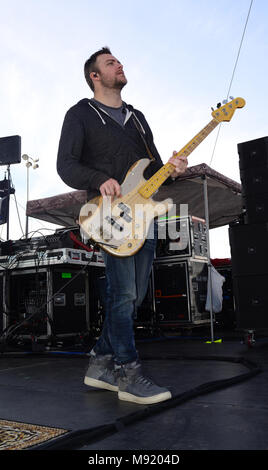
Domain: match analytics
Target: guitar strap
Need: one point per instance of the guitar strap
(138, 126)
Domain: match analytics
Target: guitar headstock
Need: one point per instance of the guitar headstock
(226, 112)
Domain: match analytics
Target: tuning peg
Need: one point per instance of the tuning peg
(225, 101)
(212, 109)
(231, 97)
(218, 105)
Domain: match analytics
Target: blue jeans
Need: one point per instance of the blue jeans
(126, 286)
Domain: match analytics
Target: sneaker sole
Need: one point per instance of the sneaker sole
(100, 384)
(144, 400)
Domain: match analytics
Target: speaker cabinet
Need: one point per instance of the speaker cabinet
(256, 206)
(254, 181)
(249, 249)
(251, 301)
(253, 153)
(250, 274)
(253, 163)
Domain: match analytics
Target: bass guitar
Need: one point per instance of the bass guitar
(120, 225)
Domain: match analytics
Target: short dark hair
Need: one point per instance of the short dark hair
(90, 65)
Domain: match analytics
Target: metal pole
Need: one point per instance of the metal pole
(205, 188)
(27, 199)
(8, 202)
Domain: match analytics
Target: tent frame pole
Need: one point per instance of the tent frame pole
(205, 190)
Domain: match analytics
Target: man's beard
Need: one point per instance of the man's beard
(117, 83)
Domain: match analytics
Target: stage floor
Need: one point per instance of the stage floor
(47, 389)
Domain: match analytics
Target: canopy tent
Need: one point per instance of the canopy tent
(223, 194)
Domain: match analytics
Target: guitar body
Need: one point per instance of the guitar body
(120, 226)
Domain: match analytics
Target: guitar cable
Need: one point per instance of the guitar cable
(84, 437)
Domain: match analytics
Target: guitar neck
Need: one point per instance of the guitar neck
(166, 170)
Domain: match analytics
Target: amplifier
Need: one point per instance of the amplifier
(181, 292)
(182, 237)
(34, 258)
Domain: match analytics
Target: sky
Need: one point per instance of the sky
(178, 56)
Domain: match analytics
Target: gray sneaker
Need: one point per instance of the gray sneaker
(134, 387)
(101, 373)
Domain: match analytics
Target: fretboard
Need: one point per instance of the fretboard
(166, 170)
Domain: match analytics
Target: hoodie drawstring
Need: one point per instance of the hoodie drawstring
(100, 116)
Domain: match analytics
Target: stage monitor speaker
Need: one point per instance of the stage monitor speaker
(251, 301)
(249, 249)
(10, 150)
(253, 153)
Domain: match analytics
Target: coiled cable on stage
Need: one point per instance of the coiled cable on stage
(83, 437)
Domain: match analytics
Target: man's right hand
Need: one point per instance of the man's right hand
(110, 187)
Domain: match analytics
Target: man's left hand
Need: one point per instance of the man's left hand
(180, 164)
